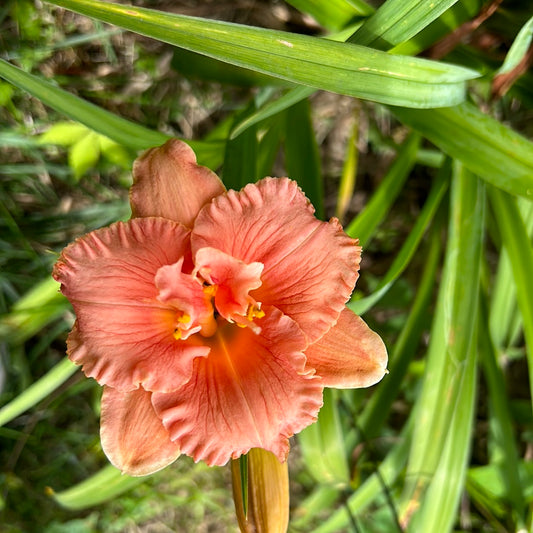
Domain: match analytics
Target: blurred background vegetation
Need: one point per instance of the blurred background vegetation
(437, 254)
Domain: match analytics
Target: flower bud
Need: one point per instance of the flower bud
(267, 506)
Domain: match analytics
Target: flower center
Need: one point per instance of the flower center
(217, 290)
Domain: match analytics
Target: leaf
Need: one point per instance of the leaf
(452, 336)
(322, 445)
(240, 157)
(103, 486)
(518, 49)
(84, 154)
(404, 27)
(385, 476)
(503, 446)
(120, 130)
(387, 26)
(517, 61)
(115, 153)
(446, 23)
(349, 171)
(440, 503)
(37, 308)
(334, 14)
(64, 133)
(377, 409)
(37, 391)
(486, 147)
(410, 246)
(302, 159)
(350, 69)
(505, 319)
(364, 225)
(518, 245)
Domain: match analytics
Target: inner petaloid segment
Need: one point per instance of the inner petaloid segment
(217, 289)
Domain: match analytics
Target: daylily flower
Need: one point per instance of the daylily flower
(213, 318)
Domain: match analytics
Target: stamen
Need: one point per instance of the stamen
(184, 319)
(254, 311)
(177, 334)
(210, 290)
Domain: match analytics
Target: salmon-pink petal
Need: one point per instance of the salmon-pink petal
(168, 183)
(349, 355)
(133, 436)
(310, 267)
(185, 292)
(250, 392)
(124, 335)
(233, 279)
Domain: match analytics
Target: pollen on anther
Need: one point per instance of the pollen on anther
(184, 319)
(210, 290)
(254, 311)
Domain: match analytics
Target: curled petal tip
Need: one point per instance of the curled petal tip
(349, 355)
(168, 183)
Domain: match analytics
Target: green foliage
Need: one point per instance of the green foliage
(434, 178)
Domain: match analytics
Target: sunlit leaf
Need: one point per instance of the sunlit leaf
(352, 70)
(452, 337)
(488, 148)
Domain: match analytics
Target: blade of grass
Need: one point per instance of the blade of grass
(240, 157)
(387, 26)
(321, 499)
(269, 145)
(383, 479)
(350, 69)
(272, 108)
(323, 447)
(518, 49)
(403, 31)
(34, 310)
(505, 320)
(440, 503)
(516, 241)
(302, 160)
(504, 453)
(489, 149)
(364, 225)
(448, 21)
(349, 171)
(103, 486)
(37, 391)
(410, 246)
(120, 130)
(378, 407)
(451, 335)
(123, 131)
(335, 14)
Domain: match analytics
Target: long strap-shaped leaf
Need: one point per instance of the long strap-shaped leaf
(489, 149)
(452, 334)
(439, 506)
(395, 22)
(338, 67)
(391, 25)
(120, 130)
(37, 391)
(518, 245)
(103, 486)
(404, 256)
